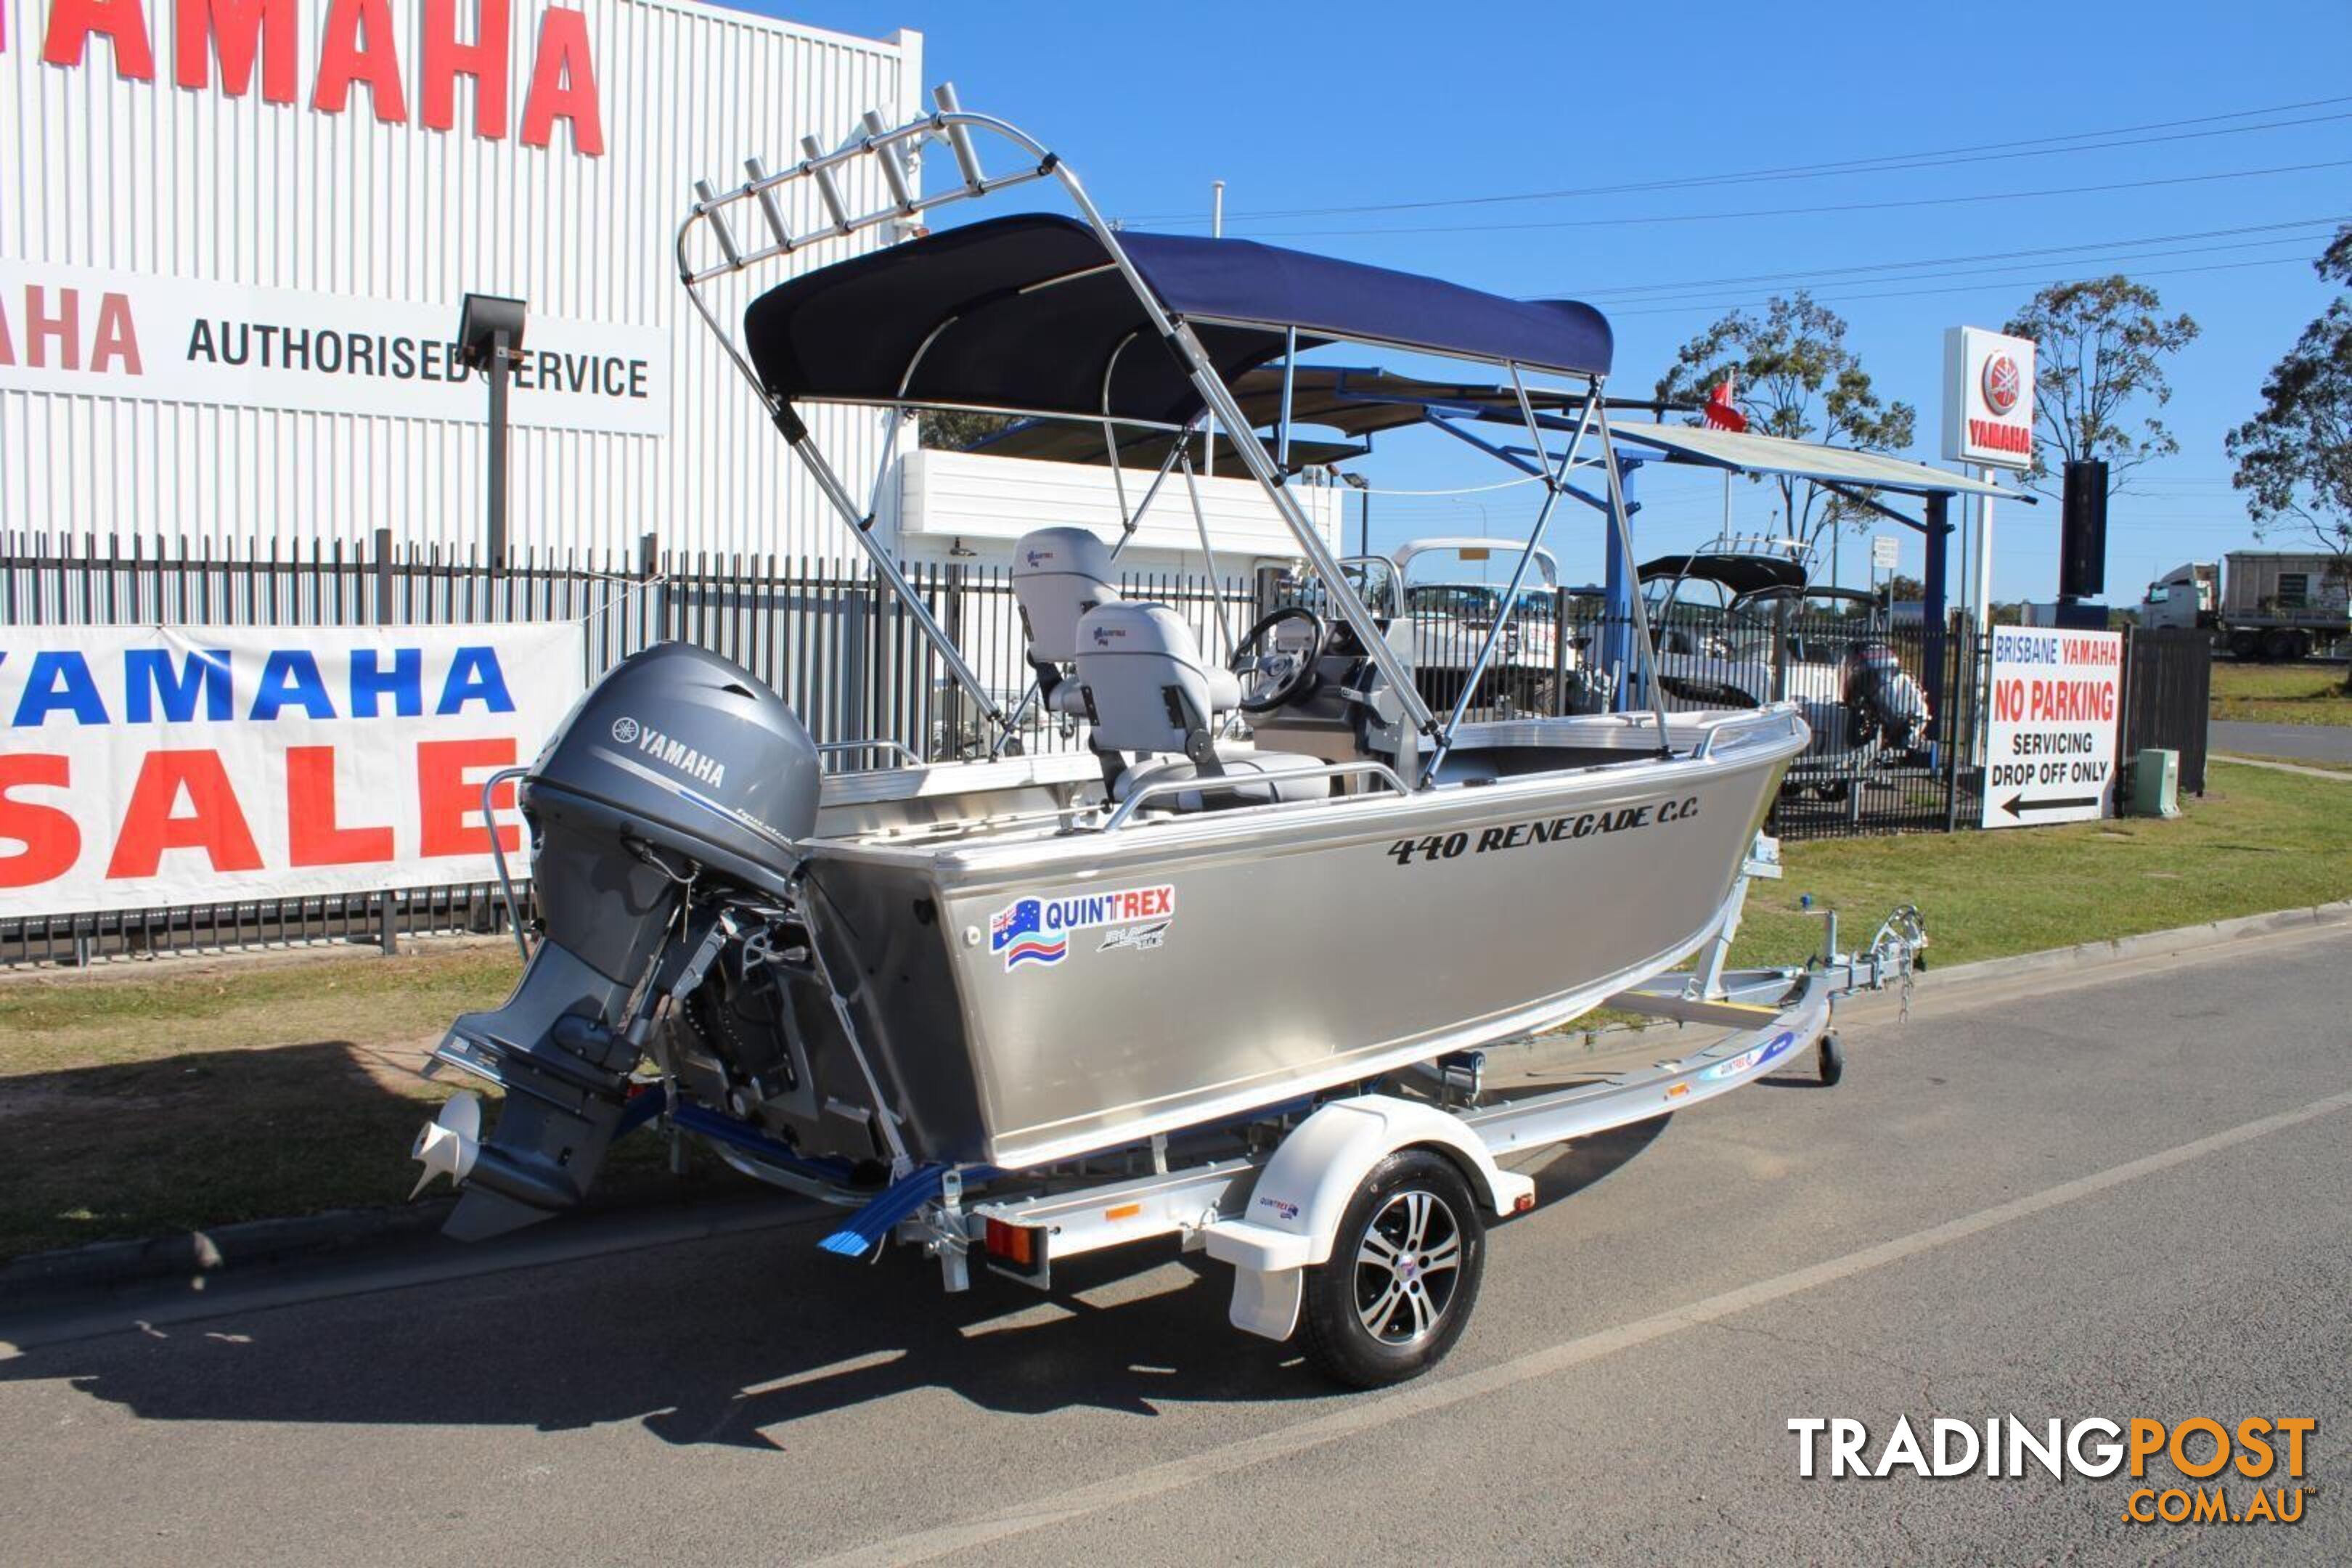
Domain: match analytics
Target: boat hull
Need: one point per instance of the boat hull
(1032, 1003)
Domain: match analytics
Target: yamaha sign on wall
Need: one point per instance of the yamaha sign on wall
(1987, 398)
(235, 235)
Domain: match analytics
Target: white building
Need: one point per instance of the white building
(234, 238)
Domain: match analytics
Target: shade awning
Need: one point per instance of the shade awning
(1028, 312)
(1747, 453)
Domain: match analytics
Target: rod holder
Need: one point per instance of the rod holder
(893, 158)
(726, 238)
(967, 156)
(825, 189)
(770, 207)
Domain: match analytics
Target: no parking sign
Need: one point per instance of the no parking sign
(2050, 737)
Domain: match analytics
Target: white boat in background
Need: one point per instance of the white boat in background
(1739, 624)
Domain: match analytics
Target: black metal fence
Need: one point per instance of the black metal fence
(2168, 689)
(825, 634)
(1859, 775)
(851, 662)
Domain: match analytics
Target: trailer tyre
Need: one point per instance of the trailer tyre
(1403, 1274)
(1832, 1065)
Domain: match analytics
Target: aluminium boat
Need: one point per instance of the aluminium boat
(996, 961)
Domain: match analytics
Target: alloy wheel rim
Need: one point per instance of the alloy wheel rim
(1408, 1266)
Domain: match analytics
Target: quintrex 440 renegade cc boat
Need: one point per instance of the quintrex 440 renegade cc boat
(947, 996)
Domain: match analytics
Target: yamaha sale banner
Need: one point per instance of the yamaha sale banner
(146, 766)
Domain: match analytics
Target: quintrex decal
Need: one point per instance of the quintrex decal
(1036, 931)
(1770, 1050)
(1135, 938)
(1542, 830)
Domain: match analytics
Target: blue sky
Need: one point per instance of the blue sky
(1319, 107)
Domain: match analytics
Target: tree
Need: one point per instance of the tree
(2295, 457)
(1794, 377)
(957, 429)
(2100, 348)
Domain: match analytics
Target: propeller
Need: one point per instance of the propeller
(447, 1143)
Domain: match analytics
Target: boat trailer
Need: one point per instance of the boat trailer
(1281, 1193)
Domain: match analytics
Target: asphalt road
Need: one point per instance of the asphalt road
(2310, 742)
(2119, 1192)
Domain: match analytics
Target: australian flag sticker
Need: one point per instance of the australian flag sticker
(1037, 931)
(1017, 935)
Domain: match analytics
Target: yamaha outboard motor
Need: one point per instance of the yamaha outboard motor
(1882, 698)
(679, 769)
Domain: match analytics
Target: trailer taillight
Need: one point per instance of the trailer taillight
(1016, 1244)
(1020, 1250)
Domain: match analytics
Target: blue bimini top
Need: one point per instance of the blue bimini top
(1028, 313)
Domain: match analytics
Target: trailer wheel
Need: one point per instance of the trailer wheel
(2278, 646)
(2245, 645)
(1403, 1274)
(1832, 1060)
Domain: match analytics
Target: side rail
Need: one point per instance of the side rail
(1776, 721)
(905, 755)
(1210, 784)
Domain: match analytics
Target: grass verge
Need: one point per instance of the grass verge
(2258, 840)
(188, 1095)
(2280, 693)
(181, 1096)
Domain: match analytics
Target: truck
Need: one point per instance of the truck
(2271, 606)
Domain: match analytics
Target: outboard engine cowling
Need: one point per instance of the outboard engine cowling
(1882, 698)
(678, 766)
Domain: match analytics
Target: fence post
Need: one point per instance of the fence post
(387, 919)
(382, 576)
(1966, 658)
(1932, 613)
(952, 732)
(649, 568)
(1558, 647)
(849, 699)
(1267, 590)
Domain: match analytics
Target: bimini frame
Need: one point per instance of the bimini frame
(757, 205)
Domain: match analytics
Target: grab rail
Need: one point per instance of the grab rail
(1211, 784)
(1706, 747)
(898, 747)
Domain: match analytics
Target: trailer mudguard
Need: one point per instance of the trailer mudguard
(1295, 1208)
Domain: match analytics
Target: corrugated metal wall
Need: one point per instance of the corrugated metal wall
(148, 177)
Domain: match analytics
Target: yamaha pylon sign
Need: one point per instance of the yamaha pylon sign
(1987, 398)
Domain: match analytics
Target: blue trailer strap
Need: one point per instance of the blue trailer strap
(643, 1107)
(700, 1119)
(870, 1225)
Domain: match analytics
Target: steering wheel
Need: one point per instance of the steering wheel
(1271, 676)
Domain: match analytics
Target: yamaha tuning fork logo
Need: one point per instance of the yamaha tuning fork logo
(624, 730)
(2000, 383)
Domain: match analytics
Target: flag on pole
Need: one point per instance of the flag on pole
(1719, 412)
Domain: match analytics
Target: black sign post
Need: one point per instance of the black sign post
(490, 336)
